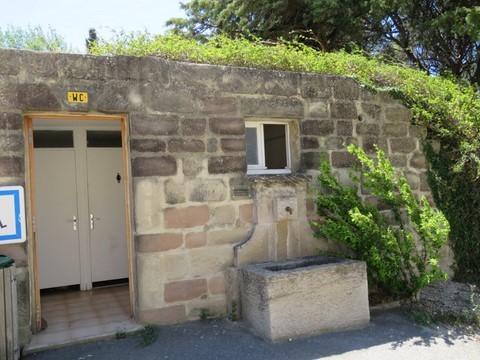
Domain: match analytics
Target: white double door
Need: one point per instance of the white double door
(80, 204)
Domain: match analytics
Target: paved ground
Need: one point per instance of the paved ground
(390, 335)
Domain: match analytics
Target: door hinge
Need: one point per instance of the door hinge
(30, 136)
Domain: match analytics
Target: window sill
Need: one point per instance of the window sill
(268, 172)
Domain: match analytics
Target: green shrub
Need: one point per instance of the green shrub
(401, 245)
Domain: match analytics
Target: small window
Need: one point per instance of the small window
(101, 139)
(52, 139)
(267, 148)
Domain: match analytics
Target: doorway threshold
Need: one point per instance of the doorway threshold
(73, 317)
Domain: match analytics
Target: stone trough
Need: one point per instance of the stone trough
(307, 296)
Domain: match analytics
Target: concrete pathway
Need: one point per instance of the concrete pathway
(390, 335)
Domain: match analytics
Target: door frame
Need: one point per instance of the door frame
(35, 308)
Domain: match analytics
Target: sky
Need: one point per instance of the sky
(72, 19)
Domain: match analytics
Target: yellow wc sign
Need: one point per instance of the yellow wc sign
(77, 97)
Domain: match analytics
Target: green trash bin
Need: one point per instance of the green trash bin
(5, 261)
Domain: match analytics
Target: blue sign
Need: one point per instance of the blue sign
(12, 215)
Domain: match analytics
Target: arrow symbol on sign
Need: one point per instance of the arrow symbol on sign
(1, 225)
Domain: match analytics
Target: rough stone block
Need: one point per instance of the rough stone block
(315, 86)
(418, 161)
(290, 299)
(212, 145)
(210, 260)
(216, 285)
(371, 110)
(227, 164)
(232, 145)
(186, 217)
(192, 166)
(176, 266)
(165, 316)
(278, 106)
(158, 242)
(395, 130)
(280, 83)
(11, 166)
(186, 145)
(154, 166)
(309, 143)
(10, 142)
(193, 127)
(9, 64)
(318, 109)
(224, 215)
(343, 110)
(149, 204)
(227, 126)
(174, 192)
(150, 124)
(317, 127)
(344, 128)
(185, 290)
(342, 159)
(39, 97)
(147, 145)
(398, 160)
(246, 213)
(179, 100)
(368, 129)
(11, 121)
(424, 183)
(229, 236)
(345, 88)
(219, 106)
(401, 114)
(369, 144)
(195, 240)
(311, 160)
(208, 190)
(403, 145)
(413, 179)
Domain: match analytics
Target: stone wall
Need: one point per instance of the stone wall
(186, 129)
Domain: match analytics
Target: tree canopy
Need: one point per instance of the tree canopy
(32, 38)
(438, 36)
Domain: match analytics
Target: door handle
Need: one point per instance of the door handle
(92, 221)
(74, 222)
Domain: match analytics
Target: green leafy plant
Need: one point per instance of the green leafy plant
(401, 244)
(149, 336)
(206, 313)
(234, 311)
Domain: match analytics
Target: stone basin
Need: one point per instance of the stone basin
(306, 296)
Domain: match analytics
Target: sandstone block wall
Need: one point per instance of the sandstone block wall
(186, 150)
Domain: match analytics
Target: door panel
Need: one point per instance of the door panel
(76, 167)
(57, 241)
(106, 202)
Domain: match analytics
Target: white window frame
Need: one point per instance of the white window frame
(261, 168)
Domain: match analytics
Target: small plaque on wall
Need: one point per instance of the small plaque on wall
(77, 97)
